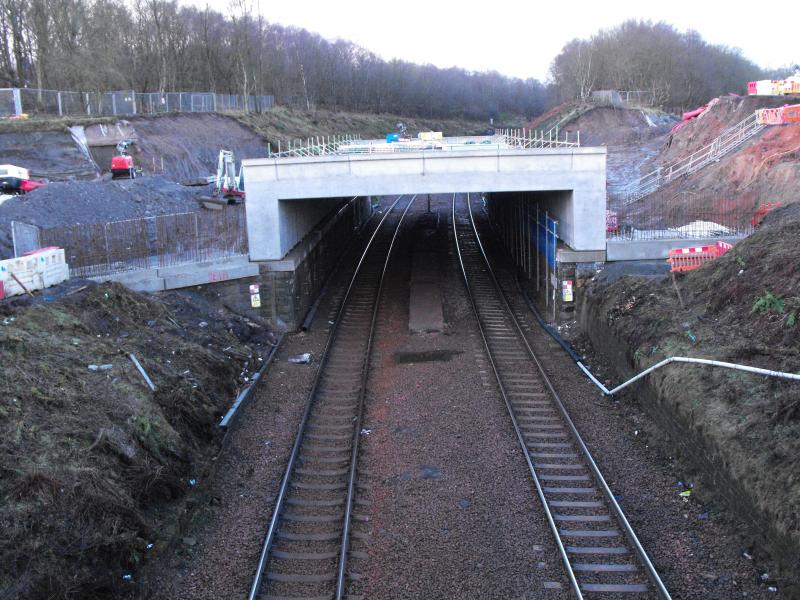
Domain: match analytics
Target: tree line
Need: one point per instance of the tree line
(160, 45)
(679, 70)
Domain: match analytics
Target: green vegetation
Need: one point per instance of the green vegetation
(768, 303)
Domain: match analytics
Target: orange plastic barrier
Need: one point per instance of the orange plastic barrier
(791, 114)
(688, 259)
(762, 211)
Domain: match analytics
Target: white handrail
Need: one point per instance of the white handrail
(727, 141)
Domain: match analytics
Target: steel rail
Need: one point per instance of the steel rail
(282, 491)
(628, 530)
(341, 575)
(520, 438)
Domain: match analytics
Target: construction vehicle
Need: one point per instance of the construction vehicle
(398, 136)
(227, 187)
(16, 180)
(122, 164)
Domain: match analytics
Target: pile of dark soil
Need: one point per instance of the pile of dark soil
(742, 308)
(73, 202)
(95, 469)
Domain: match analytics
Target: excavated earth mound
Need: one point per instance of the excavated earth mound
(185, 147)
(725, 112)
(96, 470)
(606, 126)
(48, 155)
(740, 431)
(73, 202)
(767, 166)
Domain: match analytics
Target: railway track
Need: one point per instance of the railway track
(305, 549)
(600, 552)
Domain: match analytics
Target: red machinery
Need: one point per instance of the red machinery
(16, 180)
(122, 164)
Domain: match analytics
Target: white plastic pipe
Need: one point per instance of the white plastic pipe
(686, 359)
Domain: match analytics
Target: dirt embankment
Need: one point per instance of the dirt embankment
(48, 155)
(766, 168)
(607, 126)
(740, 431)
(179, 147)
(284, 124)
(604, 125)
(95, 469)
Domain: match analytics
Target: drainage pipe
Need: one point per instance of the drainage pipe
(686, 359)
(673, 359)
(244, 395)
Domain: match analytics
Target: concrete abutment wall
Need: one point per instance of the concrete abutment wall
(289, 287)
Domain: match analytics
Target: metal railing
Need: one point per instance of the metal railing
(34, 101)
(506, 139)
(680, 216)
(316, 146)
(102, 249)
(729, 140)
(532, 138)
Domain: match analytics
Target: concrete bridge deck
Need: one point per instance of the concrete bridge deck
(287, 196)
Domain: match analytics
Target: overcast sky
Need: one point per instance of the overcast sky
(520, 38)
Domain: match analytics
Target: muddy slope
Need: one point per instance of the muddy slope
(764, 169)
(48, 155)
(187, 146)
(742, 432)
(95, 469)
(606, 126)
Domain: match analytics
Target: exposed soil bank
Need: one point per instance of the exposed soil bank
(740, 432)
(283, 123)
(96, 471)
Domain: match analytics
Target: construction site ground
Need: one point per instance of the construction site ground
(170, 150)
(98, 476)
(764, 169)
(736, 434)
(97, 472)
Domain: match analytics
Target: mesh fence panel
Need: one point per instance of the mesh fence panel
(126, 102)
(25, 237)
(682, 215)
(7, 106)
(100, 249)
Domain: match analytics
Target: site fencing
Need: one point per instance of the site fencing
(103, 249)
(32, 101)
(505, 139)
(680, 216)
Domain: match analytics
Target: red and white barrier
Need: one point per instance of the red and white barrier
(689, 259)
